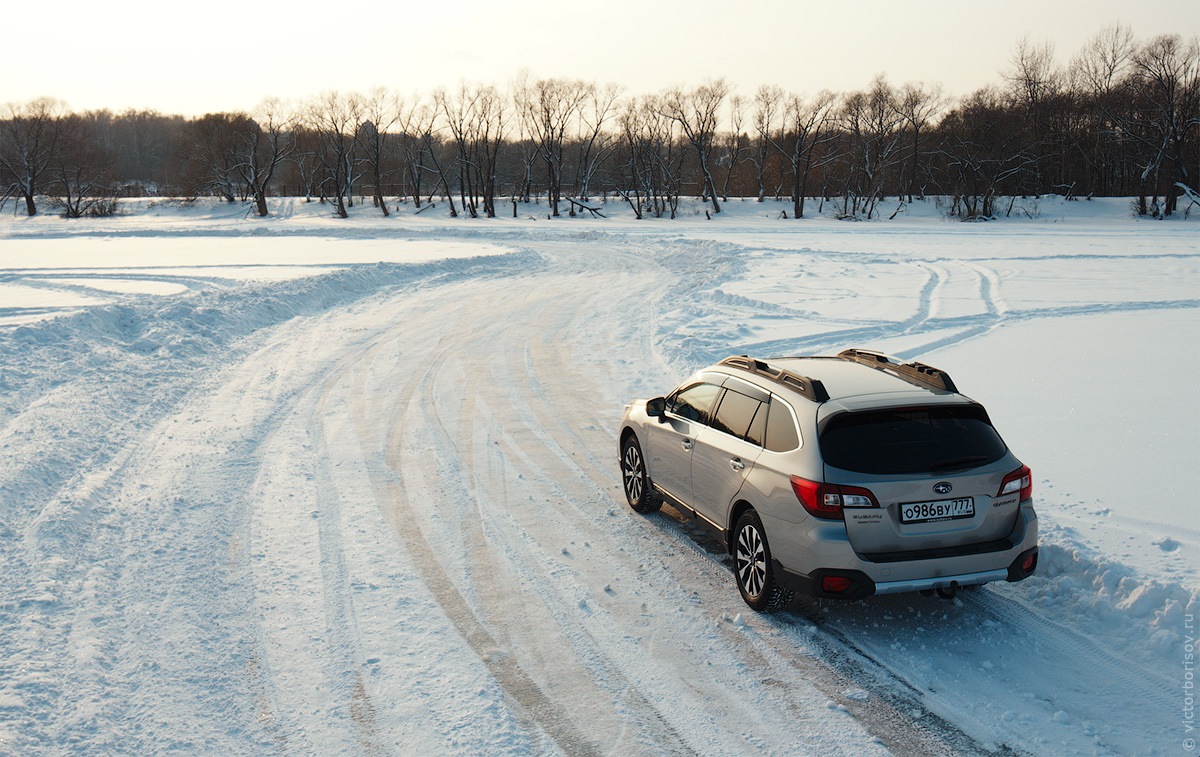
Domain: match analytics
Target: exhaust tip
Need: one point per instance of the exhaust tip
(948, 592)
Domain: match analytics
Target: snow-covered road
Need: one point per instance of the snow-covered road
(378, 510)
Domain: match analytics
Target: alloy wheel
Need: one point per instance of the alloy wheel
(632, 470)
(751, 562)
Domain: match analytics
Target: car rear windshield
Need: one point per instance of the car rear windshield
(939, 439)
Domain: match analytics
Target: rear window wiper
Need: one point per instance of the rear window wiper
(960, 462)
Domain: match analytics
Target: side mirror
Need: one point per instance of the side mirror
(656, 408)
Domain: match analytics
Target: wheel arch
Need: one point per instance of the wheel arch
(735, 513)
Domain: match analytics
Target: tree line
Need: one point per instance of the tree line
(1122, 118)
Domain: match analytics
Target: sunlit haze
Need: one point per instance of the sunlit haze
(202, 57)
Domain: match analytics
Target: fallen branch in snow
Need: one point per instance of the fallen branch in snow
(1188, 192)
(594, 211)
(427, 207)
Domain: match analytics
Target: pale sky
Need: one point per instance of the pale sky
(192, 58)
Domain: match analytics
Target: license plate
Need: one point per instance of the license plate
(946, 509)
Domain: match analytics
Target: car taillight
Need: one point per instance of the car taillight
(827, 500)
(835, 584)
(1020, 480)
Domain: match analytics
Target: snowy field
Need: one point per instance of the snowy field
(307, 485)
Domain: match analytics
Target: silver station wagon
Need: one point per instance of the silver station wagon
(837, 477)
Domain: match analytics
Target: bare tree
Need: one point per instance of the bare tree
(917, 105)
(872, 123)
(416, 120)
(550, 108)
(804, 128)
(595, 142)
(80, 179)
(304, 158)
(381, 113)
(265, 144)
(28, 140)
(696, 111)
(1097, 77)
(457, 112)
(234, 156)
(215, 143)
(766, 110)
(1166, 78)
(431, 150)
(654, 166)
(983, 146)
(476, 119)
(1035, 84)
(735, 143)
(1104, 58)
(1031, 73)
(1147, 98)
(334, 119)
(489, 124)
(527, 142)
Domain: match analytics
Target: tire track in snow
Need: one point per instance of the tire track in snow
(989, 289)
(340, 622)
(1110, 668)
(543, 625)
(532, 400)
(994, 311)
(927, 300)
(528, 697)
(971, 325)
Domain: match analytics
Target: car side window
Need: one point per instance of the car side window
(735, 413)
(758, 427)
(781, 428)
(694, 403)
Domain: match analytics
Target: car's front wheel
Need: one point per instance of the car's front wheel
(752, 565)
(634, 478)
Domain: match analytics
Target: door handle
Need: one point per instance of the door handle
(687, 445)
(736, 463)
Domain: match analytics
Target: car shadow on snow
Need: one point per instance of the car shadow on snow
(708, 541)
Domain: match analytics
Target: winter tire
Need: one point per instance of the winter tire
(752, 565)
(638, 493)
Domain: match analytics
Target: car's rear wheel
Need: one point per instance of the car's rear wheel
(638, 493)
(752, 565)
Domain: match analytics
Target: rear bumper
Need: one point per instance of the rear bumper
(1010, 559)
(942, 582)
(861, 585)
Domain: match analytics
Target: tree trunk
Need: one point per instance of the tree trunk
(912, 179)
(797, 195)
(709, 184)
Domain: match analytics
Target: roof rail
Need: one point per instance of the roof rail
(811, 388)
(914, 372)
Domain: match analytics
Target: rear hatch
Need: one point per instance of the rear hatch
(934, 473)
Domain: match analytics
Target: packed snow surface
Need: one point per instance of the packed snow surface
(314, 485)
